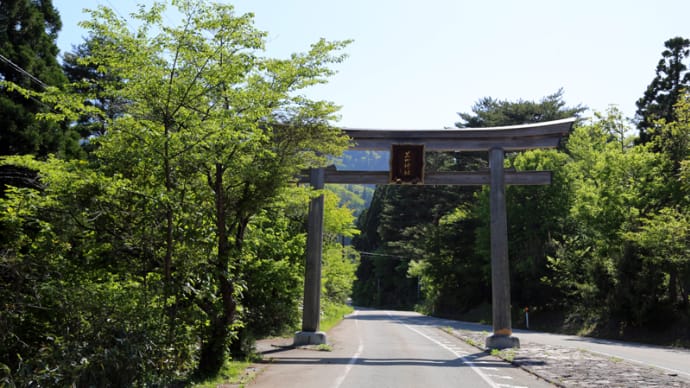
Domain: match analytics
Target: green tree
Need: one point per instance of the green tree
(339, 260)
(535, 213)
(672, 141)
(489, 112)
(213, 132)
(81, 305)
(28, 30)
(604, 279)
(665, 239)
(211, 135)
(90, 79)
(662, 93)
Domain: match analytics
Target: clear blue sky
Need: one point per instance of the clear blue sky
(415, 64)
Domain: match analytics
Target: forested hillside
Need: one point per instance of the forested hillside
(605, 249)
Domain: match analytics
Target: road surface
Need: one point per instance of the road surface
(671, 360)
(377, 348)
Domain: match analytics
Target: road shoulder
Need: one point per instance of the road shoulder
(568, 367)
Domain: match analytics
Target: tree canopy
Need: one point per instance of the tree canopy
(28, 30)
(662, 93)
(490, 112)
(181, 235)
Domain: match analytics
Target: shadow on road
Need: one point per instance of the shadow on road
(468, 360)
(408, 318)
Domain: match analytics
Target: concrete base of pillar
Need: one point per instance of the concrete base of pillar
(502, 342)
(303, 338)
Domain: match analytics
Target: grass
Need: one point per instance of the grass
(233, 372)
(324, 348)
(506, 354)
(239, 372)
(333, 314)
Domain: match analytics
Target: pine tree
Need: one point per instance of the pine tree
(672, 77)
(28, 30)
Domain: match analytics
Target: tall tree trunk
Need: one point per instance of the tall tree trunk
(673, 285)
(169, 240)
(215, 346)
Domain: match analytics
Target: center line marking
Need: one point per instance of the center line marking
(354, 358)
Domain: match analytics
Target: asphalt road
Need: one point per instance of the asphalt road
(377, 348)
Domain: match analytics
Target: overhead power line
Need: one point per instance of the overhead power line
(22, 71)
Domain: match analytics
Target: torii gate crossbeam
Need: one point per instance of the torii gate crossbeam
(496, 141)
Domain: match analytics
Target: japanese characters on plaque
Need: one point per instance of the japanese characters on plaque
(407, 164)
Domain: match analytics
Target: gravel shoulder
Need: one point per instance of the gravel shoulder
(569, 367)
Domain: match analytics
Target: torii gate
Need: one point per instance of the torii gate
(407, 149)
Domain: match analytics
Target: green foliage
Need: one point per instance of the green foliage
(489, 112)
(339, 261)
(72, 314)
(233, 372)
(332, 314)
(663, 92)
(28, 31)
(616, 265)
(181, 238)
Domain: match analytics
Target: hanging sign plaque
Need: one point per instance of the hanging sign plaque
(407, 164)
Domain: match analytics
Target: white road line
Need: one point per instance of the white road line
(501, 377)
(351, 363)
(457, 354)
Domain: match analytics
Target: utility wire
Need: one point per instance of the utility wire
(31, 77)
(22, 71)
(380, 254)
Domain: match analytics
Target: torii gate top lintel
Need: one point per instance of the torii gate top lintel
(509, 138)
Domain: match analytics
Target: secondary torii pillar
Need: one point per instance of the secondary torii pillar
(311, 308)
(500, 272)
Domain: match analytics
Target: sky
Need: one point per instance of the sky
(415, 64)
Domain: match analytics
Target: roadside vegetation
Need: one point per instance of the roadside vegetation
(158, 231)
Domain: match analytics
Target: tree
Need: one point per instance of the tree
(80, 304)
(662, 93)
(672, 141)
(28, 30)
(213, 133)
(90, 79)
(603, 278)
(489, 112)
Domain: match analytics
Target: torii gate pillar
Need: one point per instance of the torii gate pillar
(500, 272)
(311, 309)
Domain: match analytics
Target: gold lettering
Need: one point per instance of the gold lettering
(407, 163)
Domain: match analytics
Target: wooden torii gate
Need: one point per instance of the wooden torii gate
(407, 147)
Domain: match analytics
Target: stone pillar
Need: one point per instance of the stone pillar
(310, 334)
(500, 272)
